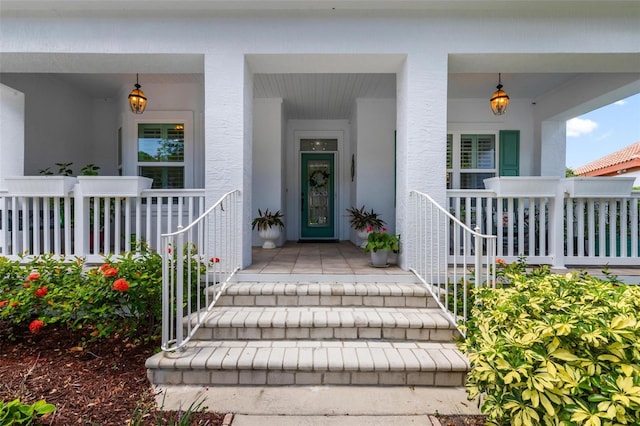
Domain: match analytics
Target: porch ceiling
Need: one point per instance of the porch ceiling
(327, 96)
(326, 86)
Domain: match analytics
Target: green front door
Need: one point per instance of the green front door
(317, 186)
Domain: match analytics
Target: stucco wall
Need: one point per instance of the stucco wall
(375, 162)
(65, 125)
(475, 116)
(58, 123)
(425, 39)
(268, 185)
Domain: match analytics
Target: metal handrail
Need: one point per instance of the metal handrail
(440, 248)
(198, 263)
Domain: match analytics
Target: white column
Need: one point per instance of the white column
(421, 136)
(553, 151)
(553, 143)
(11, 133)
(228, 102)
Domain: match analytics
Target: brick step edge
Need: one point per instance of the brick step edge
(314, 355)
(236, 377)
(323, 316)
(311, 362)
(425, 301)
(327, 289)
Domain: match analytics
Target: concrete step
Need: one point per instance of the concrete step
(320, 322)
(327, 294)
(320, 401)
(277, 362)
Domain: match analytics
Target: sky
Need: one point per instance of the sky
(603, 131)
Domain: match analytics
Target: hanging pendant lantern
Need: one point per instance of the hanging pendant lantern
(137, 100)
(499, 99)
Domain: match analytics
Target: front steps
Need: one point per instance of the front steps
(277, 334)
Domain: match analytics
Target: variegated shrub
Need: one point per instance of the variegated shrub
(556, 350)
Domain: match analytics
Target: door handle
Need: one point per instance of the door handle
(302, 202)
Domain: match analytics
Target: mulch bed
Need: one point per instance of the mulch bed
(459, 420)
(98, 383)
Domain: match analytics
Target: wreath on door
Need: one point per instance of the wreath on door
(318, 179)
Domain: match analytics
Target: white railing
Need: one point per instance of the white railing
(448, 256)
(35, 225)
(117, 224)
(573, 231)
(100, 226)
(521, 225)
(602, 230)
(198, 262)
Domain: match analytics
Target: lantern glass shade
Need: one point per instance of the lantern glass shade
(137, 100)
(499, 102)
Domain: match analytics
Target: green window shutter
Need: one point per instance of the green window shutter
(509, 153)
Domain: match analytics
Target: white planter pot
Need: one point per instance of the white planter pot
(379, 258)
(363, 234)
(40, 186)
(523, 186)
(113, 186)
(599, 186)
(270, 236)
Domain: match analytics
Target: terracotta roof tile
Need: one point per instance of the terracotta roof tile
(632, 152)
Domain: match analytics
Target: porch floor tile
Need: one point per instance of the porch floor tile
(345, 258)
(341, 258)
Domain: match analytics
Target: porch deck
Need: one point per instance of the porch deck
(340, 258)
(321, 260)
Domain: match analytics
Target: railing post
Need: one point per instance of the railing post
(556, 228)
(179, 286)
(477, 256)
(4, 222)
(80, 222)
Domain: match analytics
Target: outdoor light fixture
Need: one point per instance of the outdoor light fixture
(499, 99)
(137, 100)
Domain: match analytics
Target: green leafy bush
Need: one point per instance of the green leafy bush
(18, 413)
(556, 350)
(379, 239)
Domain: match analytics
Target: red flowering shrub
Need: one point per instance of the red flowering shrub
(110, 272)
(120, 297)
(41, 292)
(121, 285)
(36, 326)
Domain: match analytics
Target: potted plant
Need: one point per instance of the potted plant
(380, 243)
(362, 220)
(269, 227)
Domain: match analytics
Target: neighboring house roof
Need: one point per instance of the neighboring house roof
(623, 159)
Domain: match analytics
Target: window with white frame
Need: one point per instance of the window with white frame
(161, 154)
(161, 148)
(471, 158)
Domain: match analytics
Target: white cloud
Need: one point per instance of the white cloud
(621, 102)
(580, 126)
